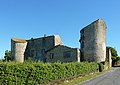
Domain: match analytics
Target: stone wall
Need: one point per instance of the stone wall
(58, 40)
(93, 42)
(78, 54)
(63, 54)
(37, 47)
(109, 57)
(18, 48)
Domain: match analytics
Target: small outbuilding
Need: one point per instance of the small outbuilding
(63, 54)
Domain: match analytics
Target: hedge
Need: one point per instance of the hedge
(40, 73)
(101, 67)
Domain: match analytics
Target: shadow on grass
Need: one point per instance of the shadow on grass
(116, 66)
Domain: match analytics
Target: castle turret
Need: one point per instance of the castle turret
(18, 47)
(93, 42)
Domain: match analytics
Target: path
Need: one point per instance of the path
(109, 78)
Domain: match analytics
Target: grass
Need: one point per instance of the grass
(80, 79)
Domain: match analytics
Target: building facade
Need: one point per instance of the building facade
(63, 54)
(18, 47)
(38, 48)
(93, 42)
(51, 48)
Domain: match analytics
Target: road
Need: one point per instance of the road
(109, 78)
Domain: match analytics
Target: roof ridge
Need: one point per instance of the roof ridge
(18, 40)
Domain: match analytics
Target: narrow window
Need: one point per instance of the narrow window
(43, 51)
(32, 53)
(51, 55)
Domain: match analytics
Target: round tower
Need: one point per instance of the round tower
(93, 42)
(18, 47)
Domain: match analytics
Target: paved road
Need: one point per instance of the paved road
(109, 78)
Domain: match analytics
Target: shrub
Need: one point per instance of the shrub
(40, 73)
(101, 67)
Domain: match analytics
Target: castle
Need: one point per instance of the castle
(93, 42)
(51, 48)
(46, 49)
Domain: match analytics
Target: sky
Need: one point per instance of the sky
(26, 19)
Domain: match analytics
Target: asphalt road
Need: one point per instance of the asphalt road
(109, 78)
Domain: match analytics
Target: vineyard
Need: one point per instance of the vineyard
(33, 73)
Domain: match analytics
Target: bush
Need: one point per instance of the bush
(101, 67)
(40, 73)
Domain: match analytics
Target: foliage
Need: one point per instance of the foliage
(1, 60)
(101, 67)
(113, 51)
(29, 59)
(116, 61)
(38, 73)
(7, 55)
(114, 54)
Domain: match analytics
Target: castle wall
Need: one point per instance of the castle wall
(37, 48)
(109, 57)
(63, 54)
(93, 42)
(18, 49)
(78, 54)
(58, 40)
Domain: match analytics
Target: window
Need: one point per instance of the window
(67, 54)
(43, 51)
(51, 55)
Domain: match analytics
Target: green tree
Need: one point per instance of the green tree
(113, 52)
(7, 55)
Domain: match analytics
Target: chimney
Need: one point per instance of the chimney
(45, 35)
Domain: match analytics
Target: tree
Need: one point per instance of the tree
(113, 52)
(7, 55)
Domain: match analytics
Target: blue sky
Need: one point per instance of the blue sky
(33, 18)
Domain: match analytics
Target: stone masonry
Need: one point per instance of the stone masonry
(51, 48)
(18, 47)
(93, 42)
(63, 54)
(38, 48)
(109, 56)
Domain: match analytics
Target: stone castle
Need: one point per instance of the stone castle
(51, 48)
(46, 49)
(93, 42)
